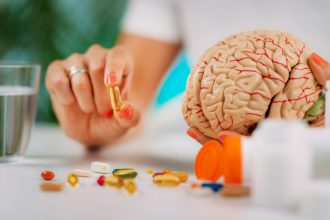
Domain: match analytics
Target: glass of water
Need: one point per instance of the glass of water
(19, 84)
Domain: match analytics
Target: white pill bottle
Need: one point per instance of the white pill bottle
(278, 162)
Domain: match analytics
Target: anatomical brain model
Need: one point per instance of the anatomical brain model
(248, 77)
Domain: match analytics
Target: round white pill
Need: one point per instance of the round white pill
(100, 167)
(82, 173)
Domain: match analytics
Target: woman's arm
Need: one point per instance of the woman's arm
(151, 60)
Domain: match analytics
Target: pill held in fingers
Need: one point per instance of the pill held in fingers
(115, 97)
(100, 167)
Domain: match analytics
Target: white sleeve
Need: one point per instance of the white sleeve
(153, 19)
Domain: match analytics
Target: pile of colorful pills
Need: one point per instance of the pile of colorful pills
(123, 180)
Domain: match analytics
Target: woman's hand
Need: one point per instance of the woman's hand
(202, 138)
(320, 68)
(81, 101)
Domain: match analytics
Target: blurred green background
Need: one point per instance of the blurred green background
(45, 30)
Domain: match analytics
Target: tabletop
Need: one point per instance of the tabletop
(49, 148)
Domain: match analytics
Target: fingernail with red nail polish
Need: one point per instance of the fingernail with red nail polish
(112, 79)
(108, 114)
(318, 59)
(192, 134)
(221, 137)
(126, 112)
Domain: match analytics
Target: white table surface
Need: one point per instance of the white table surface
(21, 198)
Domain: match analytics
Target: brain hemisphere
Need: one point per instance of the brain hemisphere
(248, 77)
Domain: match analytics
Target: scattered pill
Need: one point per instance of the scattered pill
(214, 186)
(125, 173)
(150, 171)
(157, 174)
(166, 179)
(167, 170)
(235, 191)
(113, 181)
(72, 179)
(100, 167)
(51, 186)
(100, 180)
(200, 191)
(82, 173)
(183, 176)
(115, 97)
(194, 185)
(47, 175)
(130, 186)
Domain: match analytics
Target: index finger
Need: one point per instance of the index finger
(118, 66)
(320, 68)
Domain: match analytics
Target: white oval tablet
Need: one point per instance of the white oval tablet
(100, 167)
(82, 173)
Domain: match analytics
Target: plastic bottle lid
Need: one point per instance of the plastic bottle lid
(233, 156)
(210, 161)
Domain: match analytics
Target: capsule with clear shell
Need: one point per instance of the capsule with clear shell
(115, 97)
(72, 179)
(51, 186)
(113, 181)
(126, 173)
(130, 186)
(235, 191)
(183, 176)
(166, 179)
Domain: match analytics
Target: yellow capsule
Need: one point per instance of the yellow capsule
(51, 186)
(150, 171)
(130, 186)
(183, 176)
(235, 191)
(72, 179)
(166, 179)
(115, 98)
(113, 181)
(167, 170)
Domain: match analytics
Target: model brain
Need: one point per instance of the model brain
(248, 77)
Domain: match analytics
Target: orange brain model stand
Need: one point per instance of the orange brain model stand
(242, 80)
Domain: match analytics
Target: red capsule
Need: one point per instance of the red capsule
(47, 175)
(100, 180)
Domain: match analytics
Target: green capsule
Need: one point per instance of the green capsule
(126, 173)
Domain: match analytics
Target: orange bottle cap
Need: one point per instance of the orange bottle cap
(233, 157)
(210, 162)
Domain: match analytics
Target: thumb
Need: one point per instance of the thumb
(128, 115)
(320, 68)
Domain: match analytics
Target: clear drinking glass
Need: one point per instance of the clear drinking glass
(19, 84)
